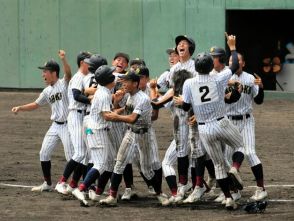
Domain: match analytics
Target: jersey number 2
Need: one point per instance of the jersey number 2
(204, 89)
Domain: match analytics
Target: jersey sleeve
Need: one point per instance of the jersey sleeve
(187, 92)
(41, 100)
(103, 103)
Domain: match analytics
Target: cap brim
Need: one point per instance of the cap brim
(87, 60)
(45, 68)
(124, 76)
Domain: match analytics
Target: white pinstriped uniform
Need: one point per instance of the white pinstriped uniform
(140, 104)
(206, 95)
(56, 97)
(99, 140)
(156, 164)
(75, 118)
(162, 81)
(118, 129)
(188, 66)
(86, 84)
(244, 107)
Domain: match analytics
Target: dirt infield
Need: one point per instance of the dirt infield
(21, 138)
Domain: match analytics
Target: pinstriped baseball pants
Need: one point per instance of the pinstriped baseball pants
(126, 152)
(55, 134)
(75, 127)
(212, 134)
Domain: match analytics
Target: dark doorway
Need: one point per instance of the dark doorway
(261, 34)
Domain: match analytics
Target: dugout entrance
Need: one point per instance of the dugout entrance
(264, 34)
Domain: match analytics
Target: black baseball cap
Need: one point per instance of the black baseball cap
(137, 61)
(217, 51)
(104, 75)
(171, 50)
(50, 65)
(130, 76)
(121, 54)
(82, 56)
(142, 71)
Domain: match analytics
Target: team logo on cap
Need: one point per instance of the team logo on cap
(211, 49)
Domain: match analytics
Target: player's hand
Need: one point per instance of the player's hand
(61, 54)
(192, 120)
(118, 96)
(90, 97)
(231, 41)
(153, 83)
(258, 80)
(110, 116)
(178, 100)
(15, 110)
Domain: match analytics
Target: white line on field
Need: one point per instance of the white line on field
(24, 186)
(277, 185)
(15, 185)
(280, 200)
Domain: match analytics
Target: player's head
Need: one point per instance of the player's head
(203, 63)
(131, 81)
(120, 61)
(179, 78)
(95, 61)
(143, 73)
(104, 76)
(219, 57)
(136, 62)
(83, 66)
(185, 46)
(173, 56)
(241, 63)
(50, 72)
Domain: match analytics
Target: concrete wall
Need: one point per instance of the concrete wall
(32, 31)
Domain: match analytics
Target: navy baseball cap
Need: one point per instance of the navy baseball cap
(130, 76)
(142, 71)
(137, 61)
(50, 65)
(121, 54)
(82, 56)
(104, 75)
(217, 51)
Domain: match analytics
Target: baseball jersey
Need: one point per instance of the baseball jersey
(206, 95)
(140, 104)
(56, 96)
(88, 80)
(188, 66)
(162, 81)
(101, 103)
(76, 83)
(250, 90)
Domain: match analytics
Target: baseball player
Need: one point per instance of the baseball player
(240, 113)
(138, 118)
(98, 135)
(121, 62)
(55, 94)
(206, 95)
(185, 47)
(90, 87)
(77, 108)
(219, 64)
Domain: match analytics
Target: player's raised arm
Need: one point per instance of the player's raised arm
(66, 66)
(231, 41)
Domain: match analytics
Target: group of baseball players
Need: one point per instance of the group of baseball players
(103, 116)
